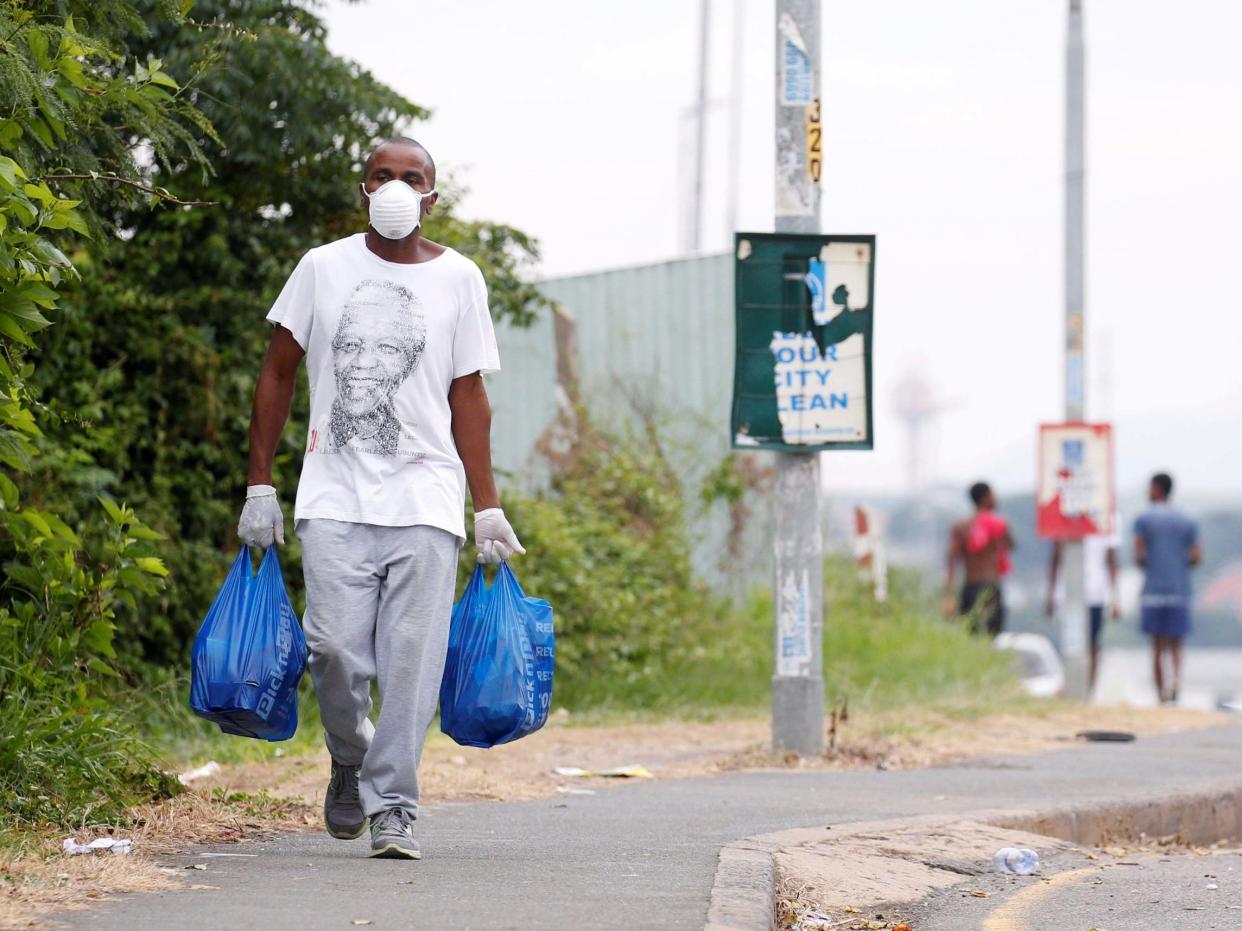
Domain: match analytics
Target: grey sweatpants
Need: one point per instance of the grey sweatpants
(378, 601)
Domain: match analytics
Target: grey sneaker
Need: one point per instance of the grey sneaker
(342, 808)
(392, 835)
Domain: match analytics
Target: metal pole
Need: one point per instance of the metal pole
(1074, 621)
(735, 122)
(700, 129)
(798, 679)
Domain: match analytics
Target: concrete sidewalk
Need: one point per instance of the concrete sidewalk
(637, 856)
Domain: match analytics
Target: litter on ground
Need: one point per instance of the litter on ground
(199, 772)
(617, 772)
(116, 845)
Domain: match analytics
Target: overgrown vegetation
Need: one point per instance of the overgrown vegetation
(638, 631)
(613, 560)
(78, 102)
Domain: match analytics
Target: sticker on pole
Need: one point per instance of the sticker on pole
(802, 370)
(793, 626)
(797, 78)
(1076, 494)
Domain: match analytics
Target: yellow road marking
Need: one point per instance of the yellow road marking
(1011, 915)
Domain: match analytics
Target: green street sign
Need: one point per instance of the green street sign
(803, 315)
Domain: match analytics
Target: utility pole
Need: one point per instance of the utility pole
(1074, 620)
(695, 237)
(798, 682)
(733, 173)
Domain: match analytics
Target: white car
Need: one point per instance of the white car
(1038, 665)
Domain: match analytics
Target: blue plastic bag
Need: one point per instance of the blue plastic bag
(249, 654)
(497, 682)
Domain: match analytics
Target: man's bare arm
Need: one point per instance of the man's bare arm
(950, 564)
(1110, 560)
(1140, 550)
(272, 397)
(1196, 554)
(472, 427)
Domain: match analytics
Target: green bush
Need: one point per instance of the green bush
(71, 573)
(611, 555)
(67, 746)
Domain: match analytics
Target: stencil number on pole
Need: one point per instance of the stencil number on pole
(814, 141)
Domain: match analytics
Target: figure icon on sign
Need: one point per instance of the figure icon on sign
(816, 280)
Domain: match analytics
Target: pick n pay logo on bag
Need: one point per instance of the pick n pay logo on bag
(284, 639)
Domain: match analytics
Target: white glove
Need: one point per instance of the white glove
(494, 537)
(261, 518)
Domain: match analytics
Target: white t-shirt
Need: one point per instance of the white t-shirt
(1096, 588)
(383, 342)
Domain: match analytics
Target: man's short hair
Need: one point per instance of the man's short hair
(402, 140)
(1164, 482)
(979, 491)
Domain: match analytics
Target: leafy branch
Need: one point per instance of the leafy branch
(162, 193)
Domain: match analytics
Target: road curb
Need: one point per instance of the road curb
(744, 890)
(743, 896)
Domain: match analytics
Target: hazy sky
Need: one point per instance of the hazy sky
(943, 135)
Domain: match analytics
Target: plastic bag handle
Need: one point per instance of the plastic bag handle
(270, 566)
(510, 579)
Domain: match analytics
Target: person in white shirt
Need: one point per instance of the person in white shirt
(1099, 586)
(397, 335)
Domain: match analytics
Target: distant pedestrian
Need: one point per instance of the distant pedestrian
(1100, 562)
(1166, 545)
(982, 544)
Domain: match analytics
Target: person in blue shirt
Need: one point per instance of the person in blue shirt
(1166, 545)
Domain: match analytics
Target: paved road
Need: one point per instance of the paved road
(639, 856)
(1167, 891)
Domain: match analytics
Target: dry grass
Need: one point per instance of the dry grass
(918, 737)
(37, 879)
(212, 816)
(34, 885)
(796, 909)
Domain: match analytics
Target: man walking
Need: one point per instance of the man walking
(1099, 585)
(397, 335)
(982, 544)
(1166, 545)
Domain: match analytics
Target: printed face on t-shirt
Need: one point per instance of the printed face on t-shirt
(378, 342)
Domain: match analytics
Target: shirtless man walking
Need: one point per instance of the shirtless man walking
(981, 543)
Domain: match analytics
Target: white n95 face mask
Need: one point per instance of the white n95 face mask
(395, 208)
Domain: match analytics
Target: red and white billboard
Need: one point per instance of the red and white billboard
(1075, 496)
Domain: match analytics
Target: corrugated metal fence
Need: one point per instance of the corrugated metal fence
(654, 338)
